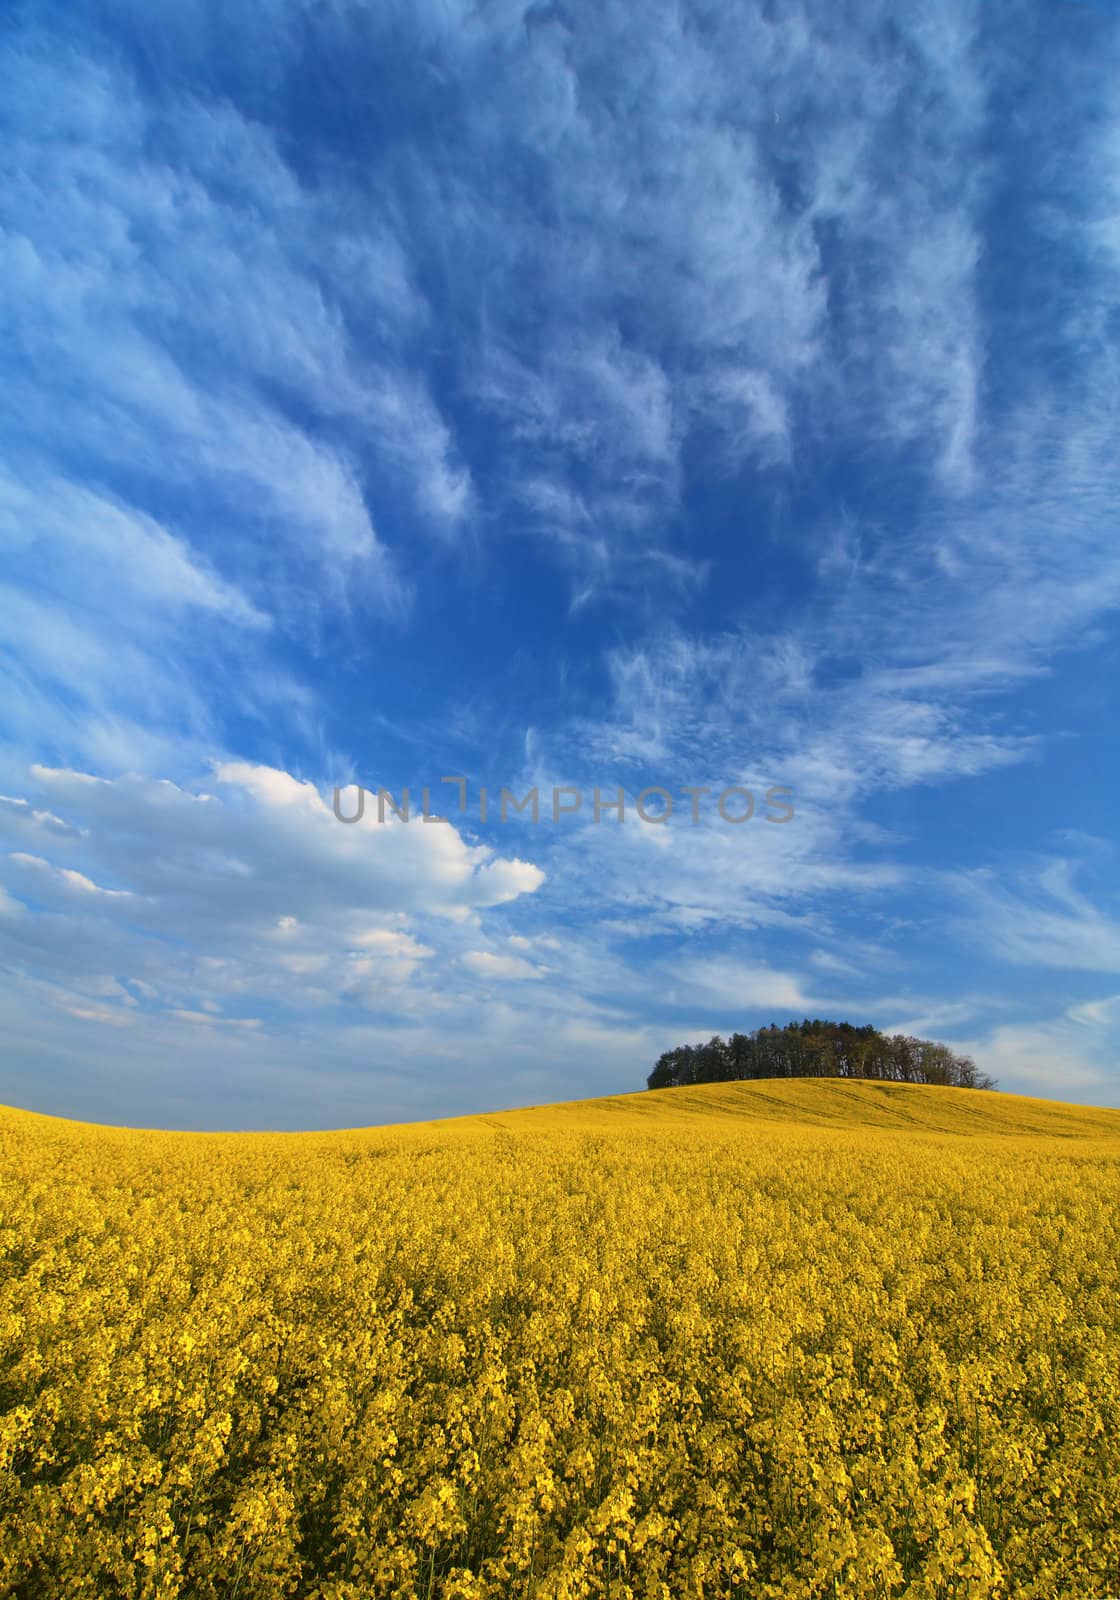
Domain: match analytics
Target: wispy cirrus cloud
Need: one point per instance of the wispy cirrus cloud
(1042, 920)
(166, 270)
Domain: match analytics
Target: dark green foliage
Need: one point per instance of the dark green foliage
(816, 1049)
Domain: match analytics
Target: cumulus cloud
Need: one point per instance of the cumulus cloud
(206, 904)
(270, 848)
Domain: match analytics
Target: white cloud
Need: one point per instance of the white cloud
(1097, 1013)
(1047, 1058)
(1041, 921)
(66, 877)
(208, 1019)
(9, 906)
(252, 897)
(120, 549)
(103, 1015)
(273, 848)
(734, 985)
(187, 341)
(828, 961)
(391, 941)
(489, 965)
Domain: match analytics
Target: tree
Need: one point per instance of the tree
(817, 1049)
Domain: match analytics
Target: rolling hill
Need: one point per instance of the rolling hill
(777, 1338)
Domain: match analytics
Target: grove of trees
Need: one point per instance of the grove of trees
(817, 1049)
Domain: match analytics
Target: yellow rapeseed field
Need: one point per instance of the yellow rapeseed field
(776, 1339)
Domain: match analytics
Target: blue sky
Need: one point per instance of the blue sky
(555, 395)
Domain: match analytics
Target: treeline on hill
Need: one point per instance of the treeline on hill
(816, 1049)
